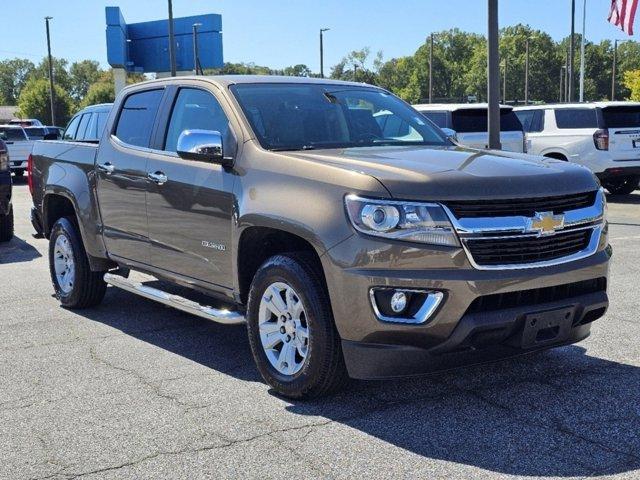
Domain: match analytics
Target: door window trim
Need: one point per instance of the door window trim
(114, 125)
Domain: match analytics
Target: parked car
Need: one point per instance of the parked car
(6, 208)
(26, 122)
(602, 136)
(19, 146)
(283, 203)
(470, 124)
(88, 124)
(42, 133)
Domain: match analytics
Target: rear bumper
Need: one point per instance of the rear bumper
(5, 193)
(478, 338)
(617, 172)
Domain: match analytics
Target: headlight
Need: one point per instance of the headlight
(408, 221)
(4, 162)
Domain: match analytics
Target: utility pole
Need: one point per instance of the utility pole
(566, 79)
(431, 69)
(172, 42)
(322, 30)
(196, 56)
(526, 72)
(51, 89)
(561, 83)
(493, 75)
(582, 48)
(613, 70)
(572, 48)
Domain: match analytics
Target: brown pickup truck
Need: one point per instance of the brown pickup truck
(350, 233)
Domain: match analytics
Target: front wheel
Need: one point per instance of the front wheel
(6, 226)
(622, 185)
(292, 335)
(76, 286)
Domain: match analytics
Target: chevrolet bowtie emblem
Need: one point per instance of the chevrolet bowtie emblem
(545, 223)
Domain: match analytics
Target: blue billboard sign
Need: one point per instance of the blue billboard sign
(144, 47)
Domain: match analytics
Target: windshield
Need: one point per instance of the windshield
(474, 120)
(306, 116)
(12, 134)
(35, 132)
(621, 117)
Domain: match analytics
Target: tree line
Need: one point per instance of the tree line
(459, 72)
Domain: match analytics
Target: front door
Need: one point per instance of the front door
(190, 208)
(121, 171)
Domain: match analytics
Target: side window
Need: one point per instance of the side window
(392, 126)
(137, 117)
(72, 128)
(82, 128)
(526, 117)
(90, 132)
(439, 118)
(101, 123)
(576, 118)
(538, 121)
(194, 109)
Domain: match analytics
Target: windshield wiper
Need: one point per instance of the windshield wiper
(292, 149)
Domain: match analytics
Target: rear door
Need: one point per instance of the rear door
(121, 171)
(190, 214)
(623, 123)
(533, 124)
(471, 126)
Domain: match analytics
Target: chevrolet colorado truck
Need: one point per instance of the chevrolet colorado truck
(352, 244)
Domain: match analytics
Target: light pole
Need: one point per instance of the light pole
(196, 55)
(614, 68)
(51, 90)
(172, 53)
(572, 50)
(563, 69)
(504, 81)
(493, 76)
(582, 49)
(431, 69)
(526, 72)
(322, 30)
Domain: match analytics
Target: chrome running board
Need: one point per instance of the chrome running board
(227, 317)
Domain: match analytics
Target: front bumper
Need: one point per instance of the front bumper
(5, 193)
(377, 349)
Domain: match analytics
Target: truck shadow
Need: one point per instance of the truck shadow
(633, 199)
(17, 250)
(559, 413)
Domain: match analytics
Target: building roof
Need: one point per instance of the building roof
(7, 112)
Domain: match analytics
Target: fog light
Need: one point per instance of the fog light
(398, 302)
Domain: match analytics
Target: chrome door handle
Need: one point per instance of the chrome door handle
(107, 168)
(159, 178)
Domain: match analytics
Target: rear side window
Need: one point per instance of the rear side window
(439, 118)
(577, 118)
(472, 120)
(82, 128)
(532, 120)
(137, 117)
(72, 128)
(621, 117)
(101, 123)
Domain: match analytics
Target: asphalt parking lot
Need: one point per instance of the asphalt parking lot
(132, 389)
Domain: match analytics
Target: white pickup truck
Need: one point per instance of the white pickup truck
(19, 147)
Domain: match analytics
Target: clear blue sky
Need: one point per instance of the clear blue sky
(285, 32)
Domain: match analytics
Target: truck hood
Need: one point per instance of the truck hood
(439, 173)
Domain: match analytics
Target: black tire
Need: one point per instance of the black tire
(622, 185)
(324, 370)
(88, 288)
(19, 172)
(6, 226)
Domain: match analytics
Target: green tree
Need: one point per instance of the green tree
(13, 76)
(34, 102)
(299, 70)
(632, 83)
(61, 76)
(82, 75)
(357, 67)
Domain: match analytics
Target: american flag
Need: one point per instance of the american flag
(623, 14)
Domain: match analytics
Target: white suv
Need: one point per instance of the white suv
(469, 121)
(603, 136)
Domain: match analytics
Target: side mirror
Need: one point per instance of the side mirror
(203, 146)
(50, 136)
(450, 133)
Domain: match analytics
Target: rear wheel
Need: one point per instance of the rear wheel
(6, 226)
(76, 286)
(622, 185)
(293, 338)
